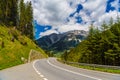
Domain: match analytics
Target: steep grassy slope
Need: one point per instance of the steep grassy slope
(14, 46)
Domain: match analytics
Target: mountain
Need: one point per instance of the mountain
(61, 42)
(14, 46)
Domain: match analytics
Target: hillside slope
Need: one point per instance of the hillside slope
(14, 46)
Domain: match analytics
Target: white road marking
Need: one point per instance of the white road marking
(38, 71)
(35, 68)
(45, 78)
(42, 76)
(72, 71)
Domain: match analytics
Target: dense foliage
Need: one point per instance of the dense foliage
(101, 47)
(18, 14)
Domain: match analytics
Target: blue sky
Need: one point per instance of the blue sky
(40, 28)
(58, 16)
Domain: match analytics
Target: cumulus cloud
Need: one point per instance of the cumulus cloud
(92, 10)
(97, 14)
(56, 13)
(106, 17)
(65, 28)
(116, 4)
(93, 5)
(48, 32)
(52, 12)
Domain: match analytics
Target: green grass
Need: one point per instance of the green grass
(109, 70)
(12, 51)
(98, 68)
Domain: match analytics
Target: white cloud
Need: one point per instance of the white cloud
(65, 28)
(93, 5)
(106, 17)
(46, 28)
(116, 4)
(52, 12)
(92, 10)
(48, 32)
(55, 12)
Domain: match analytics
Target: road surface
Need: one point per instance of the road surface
(21, 72)
(51, 69)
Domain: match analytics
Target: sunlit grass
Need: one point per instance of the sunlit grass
(109, 70)
(11, 53)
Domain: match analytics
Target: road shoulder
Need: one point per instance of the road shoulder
(21, 72)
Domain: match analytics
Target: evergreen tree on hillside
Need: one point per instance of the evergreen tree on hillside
(13, 13)
(101, 47)
(8, 12)
(104, 26)
(26, 19)
(29, 20)
(1, 11)
(111, 21)
(22, 20)
(18, 14)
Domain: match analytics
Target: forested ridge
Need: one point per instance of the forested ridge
(16, 13)
(101, 47)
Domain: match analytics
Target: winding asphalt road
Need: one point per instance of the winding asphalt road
(51, 69)
(54, 70)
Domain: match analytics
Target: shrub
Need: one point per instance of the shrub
(1, 43)
(22, 40)
(14, 33)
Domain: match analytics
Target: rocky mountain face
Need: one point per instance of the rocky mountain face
(61, 42)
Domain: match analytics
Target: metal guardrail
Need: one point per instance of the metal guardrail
(93, 65)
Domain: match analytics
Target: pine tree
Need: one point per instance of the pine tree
(29, 20)
(104, 26)
(8, 12)
(22, 20)
(18, 14)
(101, 47)
(111, 22)
(14, 13)
(26, 18)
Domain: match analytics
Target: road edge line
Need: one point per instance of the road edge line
(72, 71)
(42, 76)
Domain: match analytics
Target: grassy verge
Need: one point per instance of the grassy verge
(109, 70)
(14, 46)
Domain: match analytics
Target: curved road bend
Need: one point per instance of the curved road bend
(54, 70)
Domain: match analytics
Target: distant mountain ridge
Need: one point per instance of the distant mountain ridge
(61, 42)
